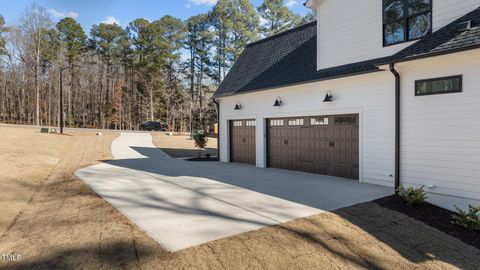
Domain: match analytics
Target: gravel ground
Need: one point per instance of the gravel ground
(57, 222)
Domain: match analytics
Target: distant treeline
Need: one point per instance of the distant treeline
(164, 70)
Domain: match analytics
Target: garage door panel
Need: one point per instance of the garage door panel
(242, 138)
(330, 149)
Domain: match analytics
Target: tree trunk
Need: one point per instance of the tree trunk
(37, 84)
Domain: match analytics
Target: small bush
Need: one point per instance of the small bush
(200, 139)
(412, 195)
(470, 220)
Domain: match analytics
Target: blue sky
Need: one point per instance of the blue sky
(89, 12)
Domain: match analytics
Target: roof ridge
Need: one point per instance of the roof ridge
(297, 28)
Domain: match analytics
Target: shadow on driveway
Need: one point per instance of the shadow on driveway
(317, 191)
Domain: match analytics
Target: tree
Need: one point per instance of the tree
(170, 33)
(244, 26)
(107, 40)
(219, 16)
(141, 37)
(2, 31)
(199, 42)
(73, 43)
(138, 73)
(310, 16)
(201, 140)
(34, 25)
(235, 24)
(277, 17)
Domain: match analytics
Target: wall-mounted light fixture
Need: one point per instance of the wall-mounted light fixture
(328, 97)
(278, 102)
(238, 106)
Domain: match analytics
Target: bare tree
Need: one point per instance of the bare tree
(34, 25)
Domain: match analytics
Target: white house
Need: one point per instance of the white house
(384, 92)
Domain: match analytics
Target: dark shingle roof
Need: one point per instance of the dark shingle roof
(290, 57)
(285, 59)
(448, 39)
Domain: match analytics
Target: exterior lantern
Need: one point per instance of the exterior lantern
(278, 102)
(238, 107)
(328, 97)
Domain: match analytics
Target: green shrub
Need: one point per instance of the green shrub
(412, 195)
(469, 220)
(200, 139)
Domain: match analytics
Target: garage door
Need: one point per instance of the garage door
(242, 141)
(318, 144)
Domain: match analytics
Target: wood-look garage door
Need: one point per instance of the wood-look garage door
(325, 144)
(242, 141)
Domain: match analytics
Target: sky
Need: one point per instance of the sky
(90, 12)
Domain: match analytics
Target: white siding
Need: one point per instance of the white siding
(351, 31)
(440, 138)
(371, 95)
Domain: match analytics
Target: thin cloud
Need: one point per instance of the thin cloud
(203, 2)
(61, 14)
(111, 20)
(291, 3)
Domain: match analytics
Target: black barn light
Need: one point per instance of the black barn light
(328, 97)
(278, 103)
(238, 107)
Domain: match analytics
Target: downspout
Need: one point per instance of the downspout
(397, 126)
(218, 128)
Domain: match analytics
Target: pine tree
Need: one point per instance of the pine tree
(107, 40)
(73, 42)
(170, 35)
(277, 17)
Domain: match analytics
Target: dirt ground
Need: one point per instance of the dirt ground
(182, 146)
(63, 224)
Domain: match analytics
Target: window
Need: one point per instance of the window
(250, 123)
(406, 20)
(237, 123)
(295, 122)
(319, 121)
(276, 122)
(438, 86)
(345, 120)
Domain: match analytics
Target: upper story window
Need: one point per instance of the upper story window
(406, 20)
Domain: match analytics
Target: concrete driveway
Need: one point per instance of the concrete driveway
(182, 204)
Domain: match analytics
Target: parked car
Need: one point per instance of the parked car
(153, 126)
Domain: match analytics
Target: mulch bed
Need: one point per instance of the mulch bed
(433, 216)
(203, 159)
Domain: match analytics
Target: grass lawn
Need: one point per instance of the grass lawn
(56, 222)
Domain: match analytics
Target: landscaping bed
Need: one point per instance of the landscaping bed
(433, 216)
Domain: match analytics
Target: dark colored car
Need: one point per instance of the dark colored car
(153, 126)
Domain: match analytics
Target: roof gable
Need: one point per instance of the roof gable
(259, 57)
